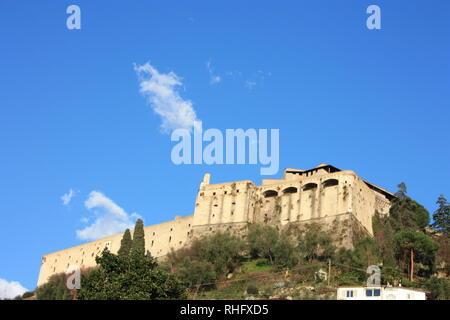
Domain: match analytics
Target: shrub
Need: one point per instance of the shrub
(252, 289)
(54, 289)
(129, 278)
(223, 250)
(439, 288)
(196, 273)
(316, 244)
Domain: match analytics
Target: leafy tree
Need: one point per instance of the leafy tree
(439, 288)
(441, 216)
(27, 294)
(443, 253)
(129, 278)
(223, 250)
(138, 244)
(316, 244)
(406, 213)
(262, 240)
(384, 237)
(365, 253)
(415, 247)
(285, 253)
(196, 273)
(125, 244)
(178, 257)
(54, 289)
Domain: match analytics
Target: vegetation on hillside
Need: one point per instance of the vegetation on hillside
(275, 263)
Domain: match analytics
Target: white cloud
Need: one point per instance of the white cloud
(214, 79)
(250, 84)
(84, 220)
(254, 79)
(110, 218)
(66, 198)
(11, 289)
(161, 91)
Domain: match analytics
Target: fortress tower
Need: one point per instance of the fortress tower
(339, 200)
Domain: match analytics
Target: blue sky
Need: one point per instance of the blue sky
(72, 116)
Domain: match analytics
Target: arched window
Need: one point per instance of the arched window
(270, 193)
(309, 186)
(330, 183)
(290, 190)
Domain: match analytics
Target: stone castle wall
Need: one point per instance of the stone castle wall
(339, 200)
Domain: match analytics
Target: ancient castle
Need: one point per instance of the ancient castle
(339, 200)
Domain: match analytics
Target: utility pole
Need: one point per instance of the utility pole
(329, 271)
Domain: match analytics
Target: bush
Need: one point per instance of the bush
(54, 289)
(316, 244)
(285, 253)
(438, 287)
(269, 243)
(27, 294)
(252, 289)
(223, 250)
(196, 273)
(262, 240)
(129, 278)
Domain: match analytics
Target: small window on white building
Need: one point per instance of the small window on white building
(376, 292)
(349, 293)
(369, 293)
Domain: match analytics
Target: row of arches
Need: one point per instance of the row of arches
(306, 187)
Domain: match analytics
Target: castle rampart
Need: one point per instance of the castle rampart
(339, 200)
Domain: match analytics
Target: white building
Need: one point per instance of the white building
(379, 293)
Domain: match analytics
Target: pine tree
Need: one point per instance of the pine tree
(401, 192)
(441, 216)
(415, 247)
(407, 213)
(138, 245)
(125, 244)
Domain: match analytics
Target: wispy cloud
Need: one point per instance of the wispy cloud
(109, 218)
(250, 84)
(213, 78)
(67, 197)
(9, 290)
(84, 220)
(161, 91)
(250, 80)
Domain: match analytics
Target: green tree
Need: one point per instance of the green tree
(54, 289)
(223, 250)
(316, 244)
(262, 240)
(285, 252)
(413, 247)
(441, 216)
(126, 278)
(125, 244)
(384, 236)
(366, 253)
(438, 287)
(28, 294)
(196, 273)
(138, 244)
(406, 213)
